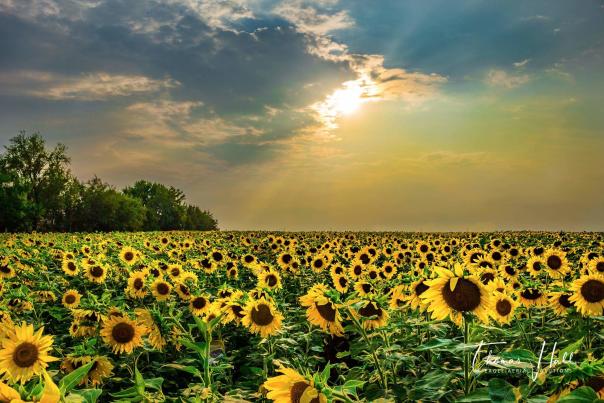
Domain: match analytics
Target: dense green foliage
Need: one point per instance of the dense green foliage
(39, 192)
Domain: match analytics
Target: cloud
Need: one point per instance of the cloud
(174, 124)
(499, 78)
(308, 19)
(86, 87)
(521, 63)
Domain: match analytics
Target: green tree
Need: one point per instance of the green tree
(16, 210)
(165, 208)
(198, 220)
(42, 173)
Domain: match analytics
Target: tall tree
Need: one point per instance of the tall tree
(42, 172)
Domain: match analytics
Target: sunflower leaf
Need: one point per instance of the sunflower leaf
(72, 379)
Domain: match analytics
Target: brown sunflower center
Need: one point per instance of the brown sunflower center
(593, 291)
(487, 277)
(465, 297)
(510, 270)
(531, 294)
(600, 267)
(366, 287)
(343, 282)
(97, 271)
(554, 262)
(70, 299)
(358, 270)
(503, 307)
(370, 310)
(71, 266)
(565, 301)
(596, 383)
(25, 355)
(238, 311)
(138, 284)
(217, 256)
(123, 332)
(262, 315)
(199, 302)
(271, 280)
(128, 256)
(163, 289)
(327, 311)
(297, 391)
(421, 288)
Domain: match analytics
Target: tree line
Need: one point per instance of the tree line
(38, 192)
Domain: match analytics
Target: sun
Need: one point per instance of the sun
(345, 101)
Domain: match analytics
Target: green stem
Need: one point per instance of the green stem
(373, 354)
(466, 356)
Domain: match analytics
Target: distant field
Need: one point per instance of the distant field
(302, 317)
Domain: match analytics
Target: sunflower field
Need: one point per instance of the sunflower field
(302, 317)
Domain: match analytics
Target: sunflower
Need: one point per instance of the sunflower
(417, 288)
(453, 294)
(371, 313)
(129, 256)
(356, 269)
(503, 308)
(388, 270)
(532, 296)
(101, 368)
(397, 297)
(262, 317)
(122, 334)
(145, 318)
(556, 263)
(175, 271)
(136, 284)
(161, 289)
(341, 283)
(270, 279)
(232, 272)
(291, 387)
(199, 304)
(70, 267)
(508, 271)
(596, 265)
(364, 288)
(24, 353)
(71, 299)
(535, 266)
(96, 273)
(560, 302)
(322, 311)
(588, 294)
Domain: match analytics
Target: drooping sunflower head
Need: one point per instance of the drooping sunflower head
(291, 387)
(372, 312)
(323, 311)
(136, 284)
(560, 302)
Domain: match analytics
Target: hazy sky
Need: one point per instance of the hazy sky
(324, 114)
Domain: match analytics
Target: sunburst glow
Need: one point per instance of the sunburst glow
(346, 100)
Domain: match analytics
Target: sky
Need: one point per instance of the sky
(430, 115)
